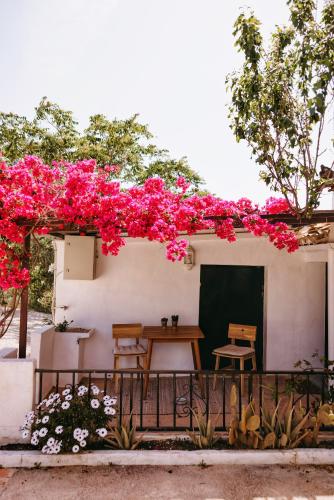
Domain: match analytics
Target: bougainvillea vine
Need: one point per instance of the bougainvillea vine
(39, 198)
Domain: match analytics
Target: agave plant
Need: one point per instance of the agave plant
(288, 430)
(205, 436)
(124, 436)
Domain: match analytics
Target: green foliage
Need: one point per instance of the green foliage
(53, 134)
(205, 436)
(124, 436)
(279, 427)
(280, 98)
(41, 271)
(288, 430)
(62, 326)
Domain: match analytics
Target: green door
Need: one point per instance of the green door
(230, 294)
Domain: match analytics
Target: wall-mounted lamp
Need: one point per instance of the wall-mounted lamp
(189, 258)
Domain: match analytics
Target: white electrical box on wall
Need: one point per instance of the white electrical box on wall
(79, 257)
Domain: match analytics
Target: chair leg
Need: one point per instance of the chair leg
(254, 363)
(215, 375)
(138, 366)
(242, 368)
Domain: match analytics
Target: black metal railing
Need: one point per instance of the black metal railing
(163, 400)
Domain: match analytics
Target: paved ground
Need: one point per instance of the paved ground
(35, 321)
(172, 483)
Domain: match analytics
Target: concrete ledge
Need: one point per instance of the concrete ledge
(31, 459)
(8, 352)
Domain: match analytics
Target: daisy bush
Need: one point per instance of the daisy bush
(69, 421)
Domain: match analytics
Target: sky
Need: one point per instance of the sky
(164, 59)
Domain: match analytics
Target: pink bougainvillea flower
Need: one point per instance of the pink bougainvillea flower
(83, 194)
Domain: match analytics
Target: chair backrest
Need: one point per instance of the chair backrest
(127, 331)
(241, 332)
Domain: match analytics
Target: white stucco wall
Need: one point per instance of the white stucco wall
(17, 391)
(141, 285)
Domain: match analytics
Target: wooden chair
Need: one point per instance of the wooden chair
(233, 351)
(131, 331)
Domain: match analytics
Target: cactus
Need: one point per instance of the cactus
(324, 416)
(281, 427)
(245, 432)
(206, 436)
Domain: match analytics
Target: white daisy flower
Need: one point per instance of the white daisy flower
(82, 390)
(84, 433)
(68, 397)
(77, 433)
(75, 448)
(43, 432)
(51, 410)
(95, 403)
(35, 434)
(109, 411)
(95, 390)
(51, 441)
(25, 434)
(108, 402)
(66, 391)
(65, 405)
(56, 448)
(38, 421)
(44, 449)
(102, 432)
(45, 419)
(59, 429)
(34, 441)
(83, 443)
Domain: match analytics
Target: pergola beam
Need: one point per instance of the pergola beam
(24, 302)
(319, 216)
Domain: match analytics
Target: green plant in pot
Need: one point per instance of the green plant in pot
(62, 326)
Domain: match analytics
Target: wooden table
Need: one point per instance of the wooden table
(169, 335)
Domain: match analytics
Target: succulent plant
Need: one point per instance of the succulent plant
(323, 416)
(205, 436)
(124, 436)
(280, 427)
(246, 431)
(286, 428)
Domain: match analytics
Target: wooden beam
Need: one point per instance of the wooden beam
(319, 216)
(24, 303)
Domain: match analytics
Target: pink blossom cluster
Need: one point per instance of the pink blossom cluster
(39, 196)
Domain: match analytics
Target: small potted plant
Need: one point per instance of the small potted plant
(175, 319)
(63, 326)
(164, 322)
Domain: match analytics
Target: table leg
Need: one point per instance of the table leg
(148, 365)
(197, 362)
(193, 353)
(197, 365)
